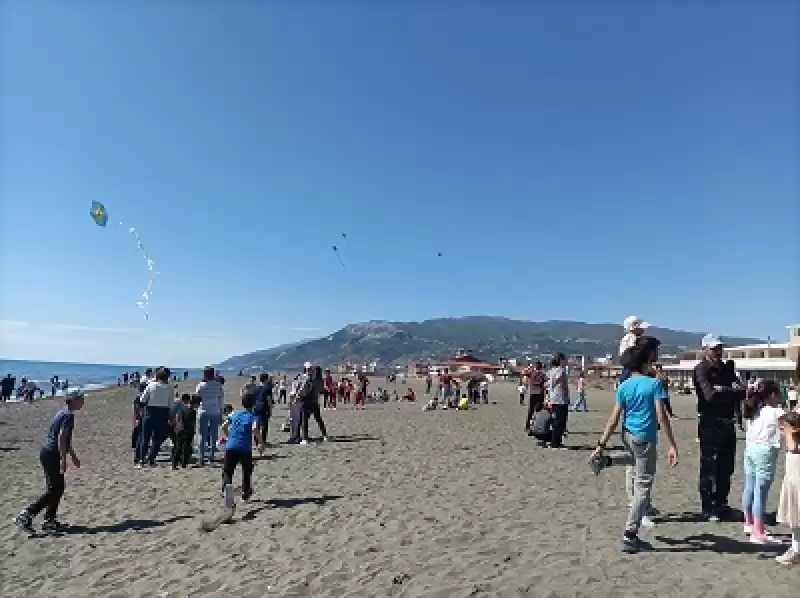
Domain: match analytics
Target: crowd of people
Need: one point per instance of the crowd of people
(28, 389)
(642, 413)
(642, 410)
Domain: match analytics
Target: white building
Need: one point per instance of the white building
(774, 361)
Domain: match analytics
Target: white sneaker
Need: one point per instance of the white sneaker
(324, 439)
(790, 557)
(647, 522)
(748, 529)
(304, 442)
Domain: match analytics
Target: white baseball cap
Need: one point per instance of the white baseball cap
(711, 341)
(634, 323)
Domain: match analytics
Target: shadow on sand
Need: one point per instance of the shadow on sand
(129, 525)
(718, 544)
(289, 503)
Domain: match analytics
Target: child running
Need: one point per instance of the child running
(762, 411)
(53, 457)
(789, 507)
(242, 431)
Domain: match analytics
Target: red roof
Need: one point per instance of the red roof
(465, 359)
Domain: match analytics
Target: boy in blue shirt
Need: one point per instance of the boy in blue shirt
(640, 408)
(242, 429)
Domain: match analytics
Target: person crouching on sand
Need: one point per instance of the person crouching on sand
(640, 407)
(53, 456)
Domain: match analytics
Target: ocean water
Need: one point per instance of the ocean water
(87, 376)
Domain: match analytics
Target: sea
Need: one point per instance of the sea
(86, 376)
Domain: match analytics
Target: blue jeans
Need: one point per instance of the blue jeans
(759, 470)
(209, 433)
(155, 428)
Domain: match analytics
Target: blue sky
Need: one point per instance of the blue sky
(570, 160)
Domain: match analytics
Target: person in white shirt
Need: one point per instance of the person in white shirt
(762, 409)
(157, 399)
(521, 389)
(212, 395)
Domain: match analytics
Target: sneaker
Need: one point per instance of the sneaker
(24, 521)
(325, 439)
(632, 545)
(304, 442)
(711, 516)
(747, 529)
(765, 540)
(647, 522)
(790, 557)
(137, 466)
(53, 525)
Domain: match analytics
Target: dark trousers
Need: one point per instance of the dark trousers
(312, 408)
(155, 428)
(560, 414)
(263, 421)
(182, 448)
(135, 435)
(535, 404)
(717, 458)
(51, 463)
(229, 464)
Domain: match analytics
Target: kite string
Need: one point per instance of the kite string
(151, 273)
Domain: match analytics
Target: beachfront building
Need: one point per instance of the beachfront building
(773, 361)
(468, 363)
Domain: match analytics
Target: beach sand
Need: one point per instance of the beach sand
(405, 503)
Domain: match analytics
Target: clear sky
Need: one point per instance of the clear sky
(570, 160)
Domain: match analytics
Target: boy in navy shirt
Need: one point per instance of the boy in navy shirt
(53, 457)
(184, 421)
(242, 430)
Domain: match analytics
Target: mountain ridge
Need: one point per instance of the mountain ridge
(488, 337)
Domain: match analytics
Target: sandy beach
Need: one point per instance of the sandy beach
(403, 503)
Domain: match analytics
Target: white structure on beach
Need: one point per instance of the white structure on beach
(775, 361)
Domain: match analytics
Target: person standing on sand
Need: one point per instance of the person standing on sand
(580, 386)
(7, 387)
(310, 404)
(212, 395)
(640, 407)
(53, 457)
(157, 400)
(262, 405)
(718, 408)
(558, 385)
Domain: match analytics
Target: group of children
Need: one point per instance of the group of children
(769, 426)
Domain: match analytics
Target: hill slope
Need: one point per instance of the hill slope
(490, 338)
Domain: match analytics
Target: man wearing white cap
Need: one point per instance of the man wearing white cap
(718, 407)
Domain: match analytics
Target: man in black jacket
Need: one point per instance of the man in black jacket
(719, 395)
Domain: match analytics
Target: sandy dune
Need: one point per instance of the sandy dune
(404, 503)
